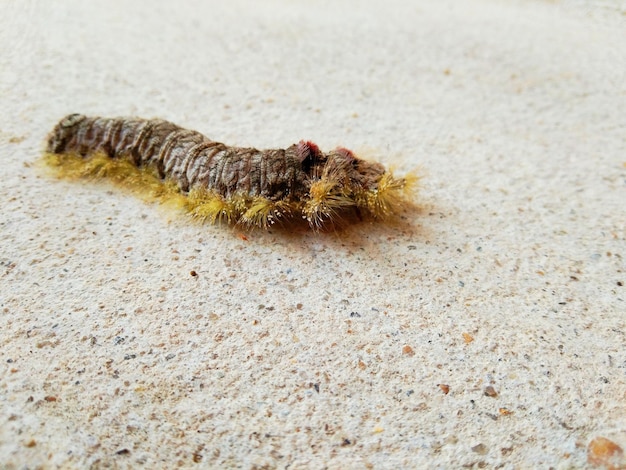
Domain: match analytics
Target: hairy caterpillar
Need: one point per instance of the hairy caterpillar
(243, 186)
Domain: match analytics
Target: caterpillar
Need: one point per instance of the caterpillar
(243, 186)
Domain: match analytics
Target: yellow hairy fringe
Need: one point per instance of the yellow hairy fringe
(206, 206)
(328, 198)
(392, 195)
(263, 212)
(325, 203)
(201, 204)
(144, 182)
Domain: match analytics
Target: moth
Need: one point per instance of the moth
(216, 182)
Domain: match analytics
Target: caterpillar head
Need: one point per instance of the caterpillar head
(339, 182)
(340, 166)
(368, 185)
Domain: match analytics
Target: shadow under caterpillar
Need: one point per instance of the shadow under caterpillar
(215, 182)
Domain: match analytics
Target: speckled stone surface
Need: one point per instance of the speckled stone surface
(488, 331)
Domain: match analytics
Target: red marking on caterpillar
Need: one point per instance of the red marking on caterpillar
(243, 186)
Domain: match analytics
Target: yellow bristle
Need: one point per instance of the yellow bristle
(99, 166)
(259, 213)
(325, 203)
(207, 206)
(263, 212)
(72, 166)
(119, 170)
(411, 185)
(391, 196)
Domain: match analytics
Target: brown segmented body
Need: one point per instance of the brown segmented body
(298, 178)
(186, 156)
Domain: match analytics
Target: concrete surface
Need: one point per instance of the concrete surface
(491, 332)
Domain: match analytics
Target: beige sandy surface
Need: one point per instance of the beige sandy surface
(371, 348)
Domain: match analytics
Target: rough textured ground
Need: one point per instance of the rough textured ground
(489, 331)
